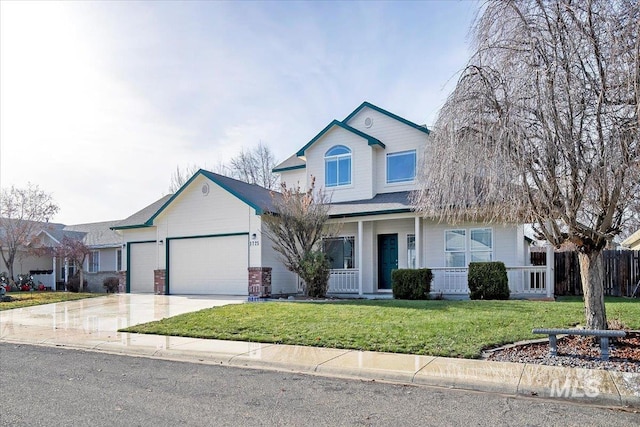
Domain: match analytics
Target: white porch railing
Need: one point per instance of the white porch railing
(343, 281)
(529, 279)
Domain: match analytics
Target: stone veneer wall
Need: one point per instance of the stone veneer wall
(260, 282)
(95, 280)
(159, 281)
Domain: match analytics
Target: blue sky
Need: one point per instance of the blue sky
(99, 101)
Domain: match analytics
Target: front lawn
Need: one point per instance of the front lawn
(437, 328)
(27, 299)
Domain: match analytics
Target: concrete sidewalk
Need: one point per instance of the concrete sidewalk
(92, 324)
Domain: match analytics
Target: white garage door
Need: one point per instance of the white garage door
(209, 265)
(142, 260)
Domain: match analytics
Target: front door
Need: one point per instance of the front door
(387, 259)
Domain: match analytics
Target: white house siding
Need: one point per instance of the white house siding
(24, 262)
(397, 137)
(193, 213)
(506, 246)
(108, 259)
(209, 265)
(361, 165)
(296, 177)
(282, 280)
(143, 262)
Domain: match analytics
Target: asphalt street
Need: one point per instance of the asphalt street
(49, 386)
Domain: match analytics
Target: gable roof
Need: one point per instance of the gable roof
(371, 140)
(421, 128)
(295, 162)
(139, 219)
(259, 198)
(97, 234)
(292, 163)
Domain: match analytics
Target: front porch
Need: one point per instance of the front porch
(524, 281)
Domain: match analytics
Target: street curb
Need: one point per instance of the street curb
(587, 386)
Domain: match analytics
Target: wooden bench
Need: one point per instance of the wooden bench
(604, 336)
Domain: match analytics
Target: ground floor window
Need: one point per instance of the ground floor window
(411, 251)
(119, 260)
(475, 245)
(340, 251)
(94, 261)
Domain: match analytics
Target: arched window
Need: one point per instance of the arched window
(337, 166)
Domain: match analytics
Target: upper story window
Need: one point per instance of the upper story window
(337, 166)
(401, 167)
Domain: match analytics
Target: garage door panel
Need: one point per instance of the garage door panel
(142, 258)
(209, 265)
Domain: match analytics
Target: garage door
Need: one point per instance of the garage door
(209, 265)
(142, 259)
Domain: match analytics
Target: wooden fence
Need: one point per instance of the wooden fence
(621, 272)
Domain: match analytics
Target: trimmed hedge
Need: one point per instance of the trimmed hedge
(488, 280)
(111, 284)
(411, 283)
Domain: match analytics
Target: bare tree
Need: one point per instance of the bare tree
(255, 167)
(22, 213)
(296, 228)
(542, 127)
(180, 176)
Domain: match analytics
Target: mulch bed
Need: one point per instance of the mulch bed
(576, 351)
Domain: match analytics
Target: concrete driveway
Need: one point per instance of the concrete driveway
(94, 322)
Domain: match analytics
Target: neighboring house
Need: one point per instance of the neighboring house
(632, 242)
(207, 238)
(105, 258)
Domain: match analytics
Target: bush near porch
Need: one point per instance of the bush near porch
(414, 284)
(437, 328)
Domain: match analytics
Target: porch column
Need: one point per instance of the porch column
(360, 246)
(55, 285)
(550, 273)
(418, 239)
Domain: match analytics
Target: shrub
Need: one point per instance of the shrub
(488, 280)
(315, 267)
(111, 284)
(74, 284)
(411, 283)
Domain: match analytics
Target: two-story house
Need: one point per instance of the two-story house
(207, 238)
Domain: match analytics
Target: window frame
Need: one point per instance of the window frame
(404, 179)
(346, 265)
(118, 259)
(93, 261)
(448, 251)
(473, 251)
(411, 251)
(337, 158)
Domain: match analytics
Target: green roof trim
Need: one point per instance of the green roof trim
(371, 140)
(128, 227)
(214, 178)
(371, 213)
(386, 113)
(289, 168)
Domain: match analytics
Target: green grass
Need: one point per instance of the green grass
(28, 299)
(437, 328)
